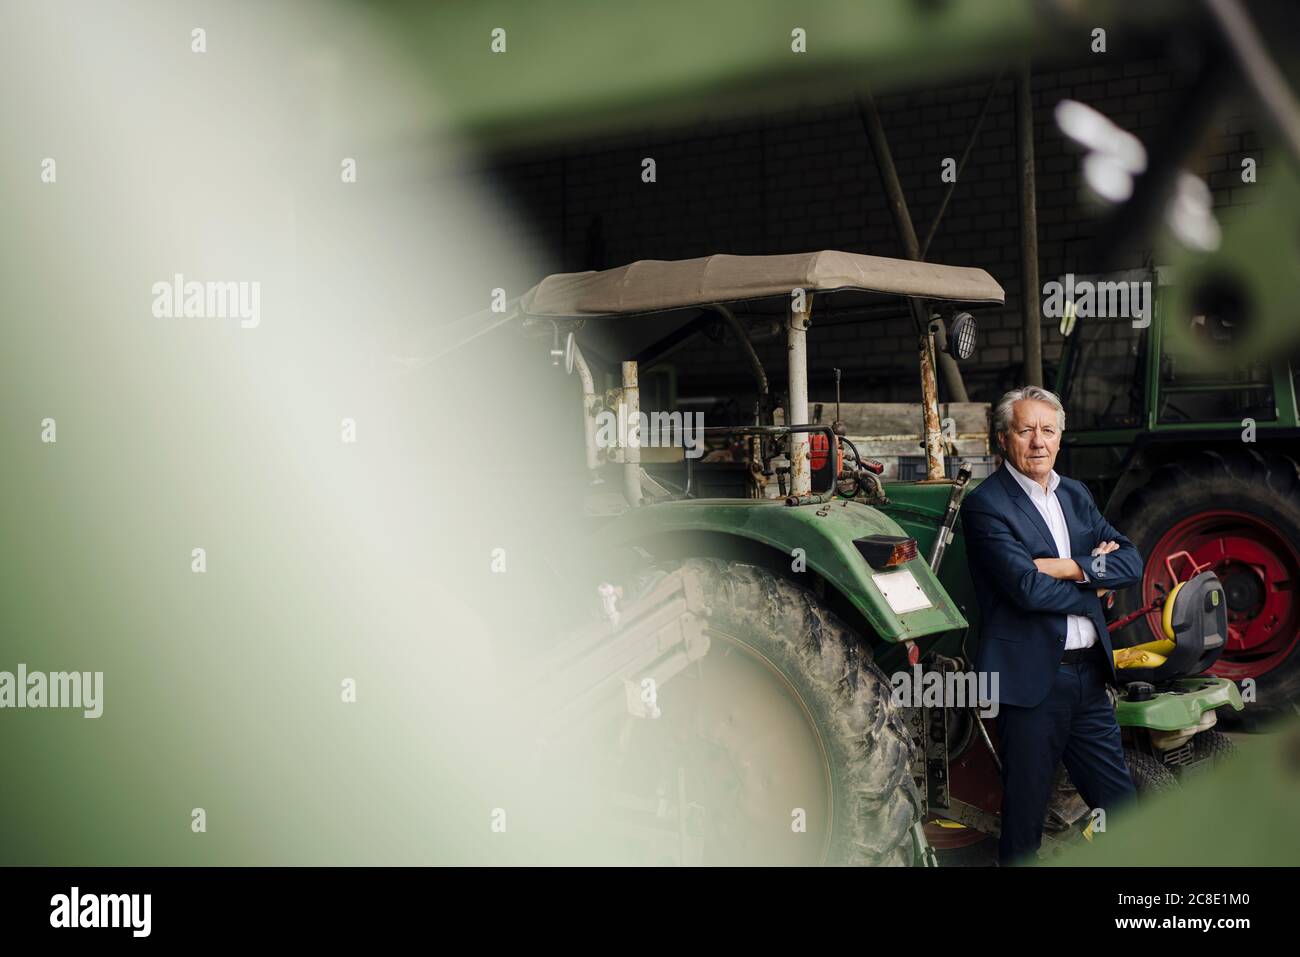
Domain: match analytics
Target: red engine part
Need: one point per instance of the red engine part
(819, 452)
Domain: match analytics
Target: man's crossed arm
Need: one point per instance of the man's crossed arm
(1114, 561)
(1069, 570)
(1051, 584)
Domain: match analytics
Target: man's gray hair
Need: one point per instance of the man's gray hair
(1002, 412)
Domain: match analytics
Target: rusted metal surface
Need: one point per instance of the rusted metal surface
(812, 498)
(934, 467)
(936, 758)
(797, 413)
(631, 399)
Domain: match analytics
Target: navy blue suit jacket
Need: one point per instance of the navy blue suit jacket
(1023, 611)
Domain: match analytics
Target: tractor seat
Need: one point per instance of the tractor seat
(1195, 624)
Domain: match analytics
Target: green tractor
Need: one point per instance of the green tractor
(771, 619)
(1196, 456)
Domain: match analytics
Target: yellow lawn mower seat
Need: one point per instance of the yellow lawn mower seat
(1194, 620)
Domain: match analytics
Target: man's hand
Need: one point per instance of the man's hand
(1067, 569)
(1105, 548)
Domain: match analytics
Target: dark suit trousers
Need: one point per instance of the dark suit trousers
(1074, 723)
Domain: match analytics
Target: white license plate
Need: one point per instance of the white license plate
(902, 591)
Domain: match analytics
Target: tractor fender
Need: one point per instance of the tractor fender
(825, 533)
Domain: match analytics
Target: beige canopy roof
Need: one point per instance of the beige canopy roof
(653, 285)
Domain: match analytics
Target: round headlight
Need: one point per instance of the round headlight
(961, 336)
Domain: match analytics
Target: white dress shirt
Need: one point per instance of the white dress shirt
(1080, 632)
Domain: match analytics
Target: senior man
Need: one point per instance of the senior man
(1040, 557)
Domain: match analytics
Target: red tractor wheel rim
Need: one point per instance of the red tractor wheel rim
(1260, 571)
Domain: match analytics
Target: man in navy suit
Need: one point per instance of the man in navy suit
(1040, 557)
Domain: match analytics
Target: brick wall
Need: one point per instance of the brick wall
(804, 179)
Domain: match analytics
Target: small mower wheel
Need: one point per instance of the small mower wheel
(1214, 746)
(1150, 777)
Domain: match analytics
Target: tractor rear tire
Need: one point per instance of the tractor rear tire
(1239, 510)
(1150, 777)
(808, 728)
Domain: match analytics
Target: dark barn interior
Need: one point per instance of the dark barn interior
(805, 178)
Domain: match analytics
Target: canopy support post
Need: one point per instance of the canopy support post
(630, 406)
(797, 414)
